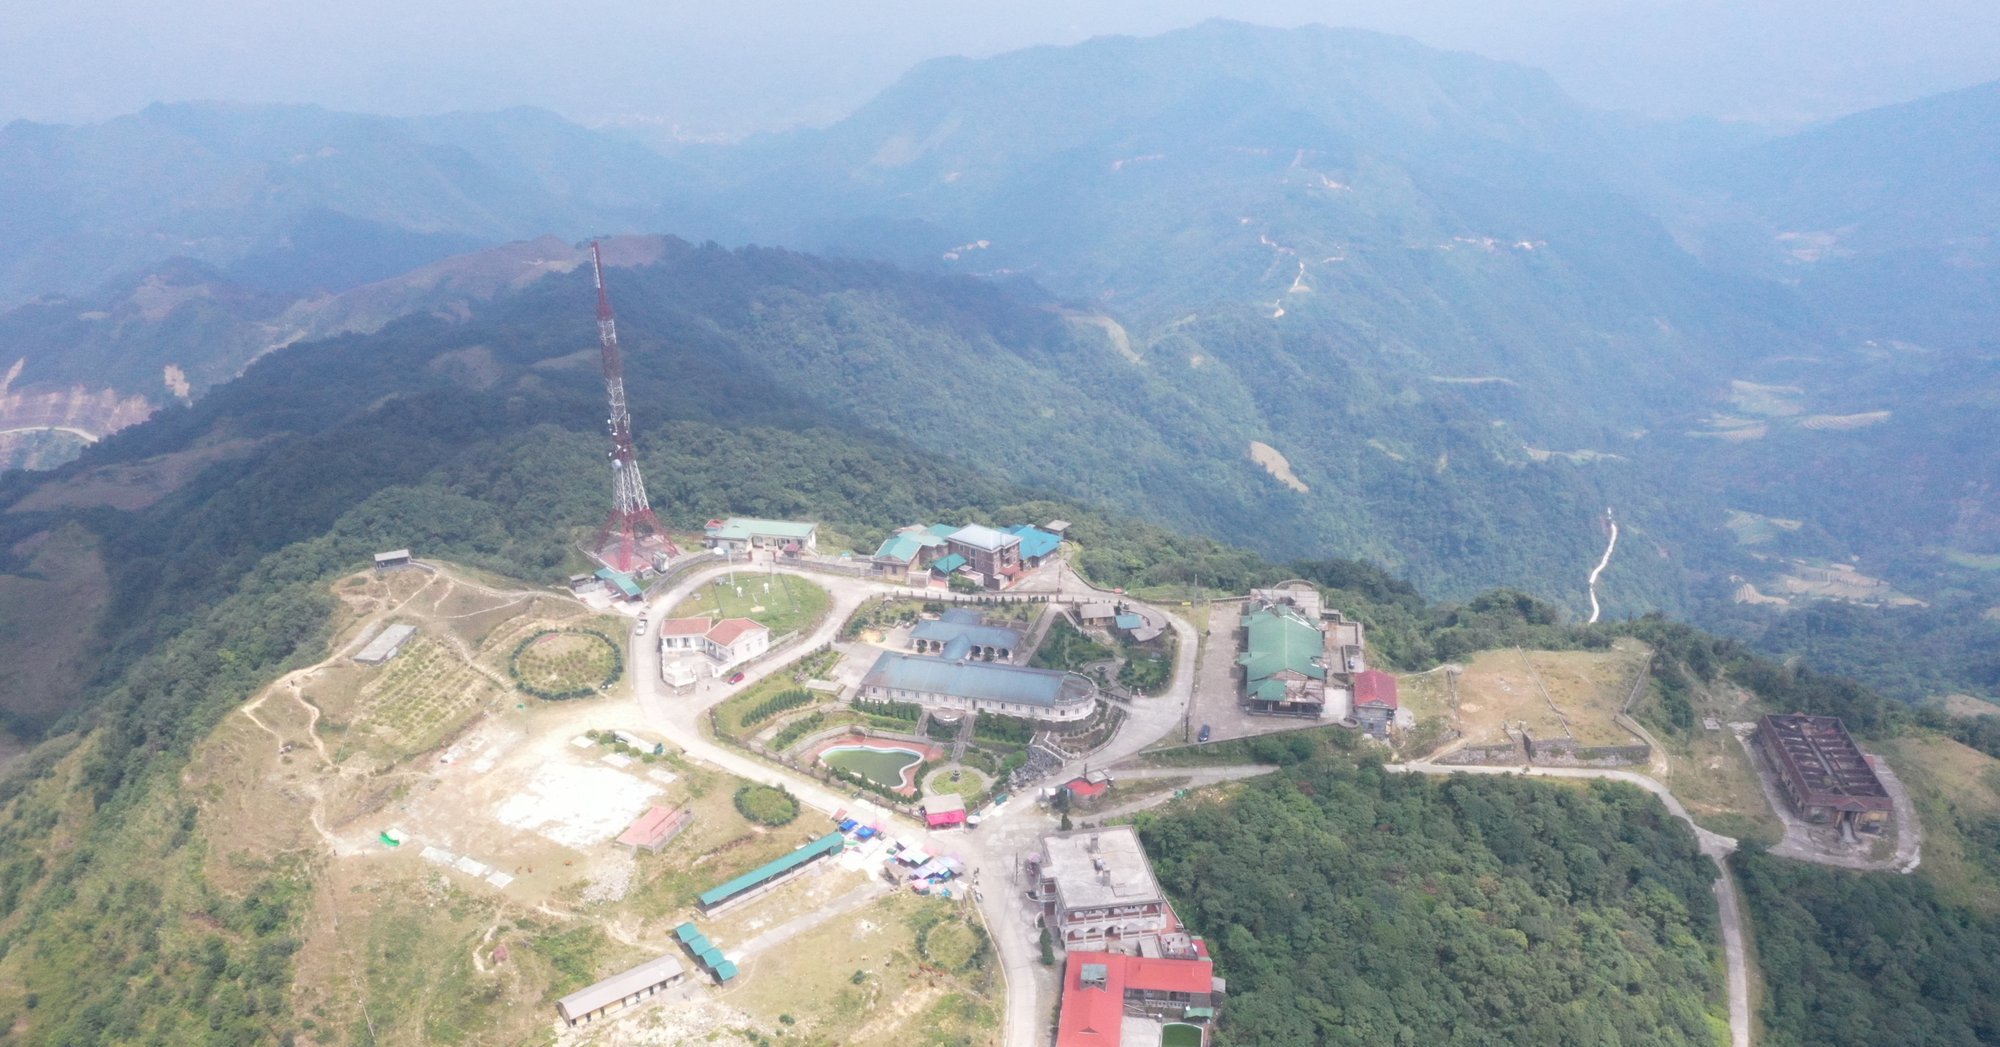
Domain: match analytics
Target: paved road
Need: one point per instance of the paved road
(1007, 835)
(1003, 837)
(1197, 777)
(1716, 846)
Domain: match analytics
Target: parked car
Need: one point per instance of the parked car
(1203, 736)
(640, 628)
(736, 678)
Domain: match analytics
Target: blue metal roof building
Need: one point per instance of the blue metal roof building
(979, 635)
(993, 687)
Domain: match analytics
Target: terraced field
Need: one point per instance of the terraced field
(423, 693)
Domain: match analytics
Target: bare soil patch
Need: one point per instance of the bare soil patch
(1549, 693)
(1277, 465)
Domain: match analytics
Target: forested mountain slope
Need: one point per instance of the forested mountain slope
(1353, 906)
(1409, 261)
(1313, 291)
(94, 363)
(1411, 210)
(1389, 469)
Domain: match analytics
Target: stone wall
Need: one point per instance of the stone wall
(1484, 756)
(1565, 752)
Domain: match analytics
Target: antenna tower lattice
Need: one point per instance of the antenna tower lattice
(631, 535)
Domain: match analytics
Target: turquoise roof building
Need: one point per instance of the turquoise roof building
(1035, 542)
(908, 546)
(770, 871)
(622, 582)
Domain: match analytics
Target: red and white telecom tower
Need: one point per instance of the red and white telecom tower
(631, 537)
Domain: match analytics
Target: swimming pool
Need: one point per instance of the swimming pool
(894, 768)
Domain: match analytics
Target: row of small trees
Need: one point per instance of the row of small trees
(790, 698)
(910, 712)
(796, 730)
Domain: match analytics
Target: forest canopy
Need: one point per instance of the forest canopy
(1348, 905)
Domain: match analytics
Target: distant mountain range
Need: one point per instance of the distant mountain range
(299, 199)
(1315, 291)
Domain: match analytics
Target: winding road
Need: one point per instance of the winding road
(1003, 835)
(1015, 829)
(1602, 563)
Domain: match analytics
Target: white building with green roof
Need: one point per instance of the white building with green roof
(1284, 661)
(740, 534)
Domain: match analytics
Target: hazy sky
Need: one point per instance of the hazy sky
(732, 68)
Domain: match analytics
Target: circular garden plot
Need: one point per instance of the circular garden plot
(556, 664)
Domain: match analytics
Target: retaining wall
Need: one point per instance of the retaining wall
(1484, 756)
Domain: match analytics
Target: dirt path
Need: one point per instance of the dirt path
(1602, 563)
(1198, 777)
(797, 925)
(312, 720)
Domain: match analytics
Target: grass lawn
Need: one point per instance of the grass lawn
(1956, 790)
(969, 781)
(782, 602)
(729, 715)
(1712, 776)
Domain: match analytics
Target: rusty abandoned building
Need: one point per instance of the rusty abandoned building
(1823, 773)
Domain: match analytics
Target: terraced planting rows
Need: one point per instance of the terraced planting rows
(422, 693)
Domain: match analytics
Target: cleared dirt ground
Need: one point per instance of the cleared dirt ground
(507, 889)
(1552, 693)
(862, 979)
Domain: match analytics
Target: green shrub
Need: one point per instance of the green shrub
(766, 805)
(909, 712)
(796, 730)
(777, 703)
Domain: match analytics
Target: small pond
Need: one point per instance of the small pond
(886, 767)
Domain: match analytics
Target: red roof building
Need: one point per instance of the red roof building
(727, 643)
(1085, 789)
(944, 810)
(656, 827)
(1375, 701)
(1100, 988)
(729, 630)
